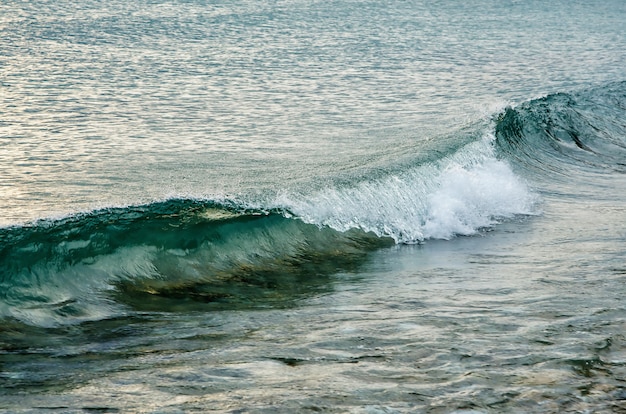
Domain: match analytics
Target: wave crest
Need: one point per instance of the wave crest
(459, 194)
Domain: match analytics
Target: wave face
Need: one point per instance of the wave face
(187, 253)
(163, 255)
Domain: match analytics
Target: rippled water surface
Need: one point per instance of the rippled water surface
(130, 101)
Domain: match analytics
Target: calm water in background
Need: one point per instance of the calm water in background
(131, 101)
(300, 206)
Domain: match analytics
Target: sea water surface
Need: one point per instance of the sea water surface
(301, 206)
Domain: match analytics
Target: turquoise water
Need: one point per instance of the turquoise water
(298, 206)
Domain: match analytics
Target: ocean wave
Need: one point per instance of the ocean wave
(222, 253)
(185, 252)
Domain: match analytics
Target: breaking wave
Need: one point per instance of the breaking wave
(188, 252)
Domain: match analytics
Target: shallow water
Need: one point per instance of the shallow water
(519, 319)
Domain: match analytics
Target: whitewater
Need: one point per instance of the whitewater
(312, 206)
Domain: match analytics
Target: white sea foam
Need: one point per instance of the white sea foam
(457, 195)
